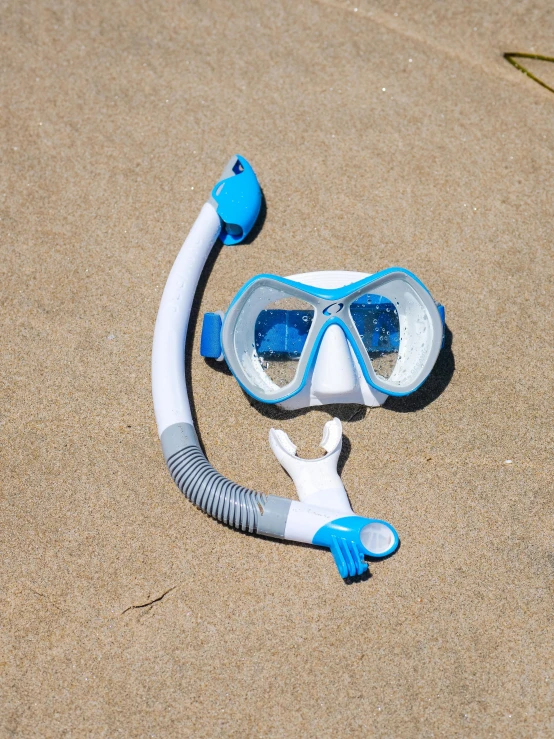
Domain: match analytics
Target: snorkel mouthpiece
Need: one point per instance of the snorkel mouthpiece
(237, 197)
(323, 515)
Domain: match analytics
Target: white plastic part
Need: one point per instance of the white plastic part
(305, 520)
(317, 481)
(322, 495)
(329, 279)
(169, 390)
(337, 376)
(334, 372)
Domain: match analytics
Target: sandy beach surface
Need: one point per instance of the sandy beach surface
(383, 133)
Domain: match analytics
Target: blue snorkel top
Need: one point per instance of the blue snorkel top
(237, 197)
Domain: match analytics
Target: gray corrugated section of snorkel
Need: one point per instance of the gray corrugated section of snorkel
(214, 494)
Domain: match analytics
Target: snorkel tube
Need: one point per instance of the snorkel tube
(323, 516)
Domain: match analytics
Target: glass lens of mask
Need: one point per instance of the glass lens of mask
(280, 334)
(411, 336)
(378, 325)
(270, 335)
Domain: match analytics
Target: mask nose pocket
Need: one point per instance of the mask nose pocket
(334, 371)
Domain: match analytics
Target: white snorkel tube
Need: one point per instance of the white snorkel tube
(323, 515)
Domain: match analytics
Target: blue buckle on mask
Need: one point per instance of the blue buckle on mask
(283, 333)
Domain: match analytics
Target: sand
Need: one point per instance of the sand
(382, 134)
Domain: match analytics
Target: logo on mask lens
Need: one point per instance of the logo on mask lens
(333, 309)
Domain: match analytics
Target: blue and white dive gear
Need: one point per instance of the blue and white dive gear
(328, 337)
(323, 515)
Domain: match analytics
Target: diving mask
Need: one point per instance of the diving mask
(328, 337)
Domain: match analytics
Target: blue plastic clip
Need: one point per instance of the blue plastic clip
(238, 199)
(343, 537)
(210, 340)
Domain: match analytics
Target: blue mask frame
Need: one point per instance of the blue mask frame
(419, 317)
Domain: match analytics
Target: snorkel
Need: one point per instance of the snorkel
(323, 515)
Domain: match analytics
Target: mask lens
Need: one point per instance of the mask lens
(398, 331)
(280, 334)
(269, 337)
(378, 325)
